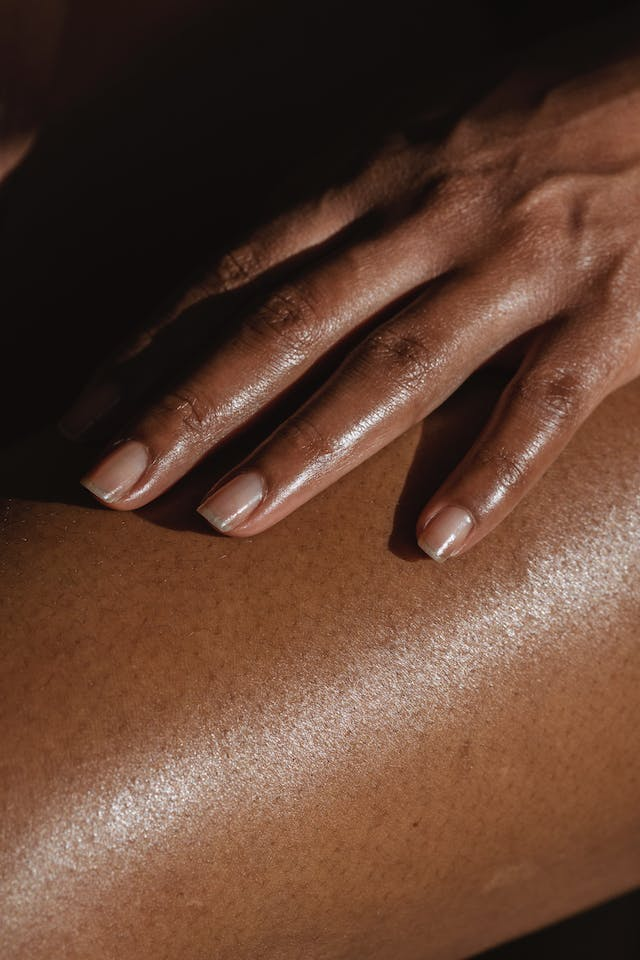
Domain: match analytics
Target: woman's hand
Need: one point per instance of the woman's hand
(523, 223)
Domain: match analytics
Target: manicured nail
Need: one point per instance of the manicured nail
(446, 532)
(233, 502)
(118, 472)
(92, 405)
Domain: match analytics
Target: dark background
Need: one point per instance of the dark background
(608, 932)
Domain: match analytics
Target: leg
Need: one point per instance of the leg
(308, 745)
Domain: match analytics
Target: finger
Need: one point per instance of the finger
(271, 251)
(144, 357)
(273, 348)
(392, 380)
(566, 373)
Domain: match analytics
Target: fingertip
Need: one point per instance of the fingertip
(114, 476)
(233, 503)
(445, 532)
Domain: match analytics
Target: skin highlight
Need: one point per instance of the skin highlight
(220, 748)
(317, 743)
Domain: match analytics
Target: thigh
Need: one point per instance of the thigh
(319, 743)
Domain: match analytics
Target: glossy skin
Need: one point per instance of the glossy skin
(520, 229)
(308, 745)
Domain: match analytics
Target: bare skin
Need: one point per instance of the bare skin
(308, 745)
(519, 228)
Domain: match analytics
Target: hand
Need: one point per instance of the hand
(524, 221)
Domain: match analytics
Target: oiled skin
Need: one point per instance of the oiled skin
(315, 744)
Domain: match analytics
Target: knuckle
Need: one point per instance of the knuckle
(552, 218)
(550, 199)
(402, 360)
(552, 397)
(193, 412)
(291, 317)
(508, 469)
(234, 269)
(142, 341)
(305, 439)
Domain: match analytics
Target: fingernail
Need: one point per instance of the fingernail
(233, 502)
(91, 406)
(118, 472)
(446, 532)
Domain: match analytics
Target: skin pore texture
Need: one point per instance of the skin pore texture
(320, 743)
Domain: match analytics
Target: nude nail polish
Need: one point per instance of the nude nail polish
(118, 472)
(229, 506)
(446, 532)
(92, 405)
